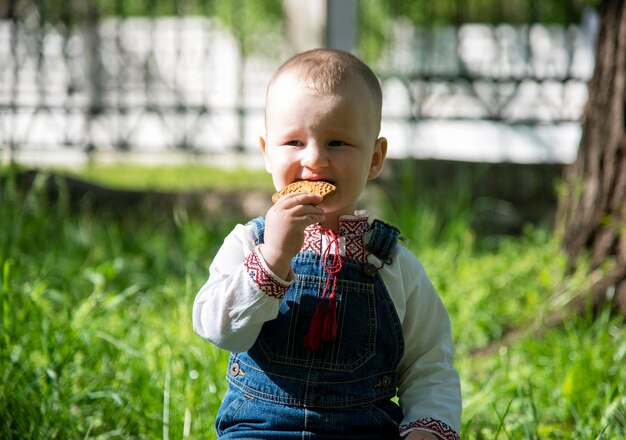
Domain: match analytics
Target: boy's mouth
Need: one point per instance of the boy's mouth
(332, 182)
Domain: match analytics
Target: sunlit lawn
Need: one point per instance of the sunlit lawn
(183, 177)
(96, 338)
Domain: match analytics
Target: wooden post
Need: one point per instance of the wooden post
(341, 24)
(306, 21)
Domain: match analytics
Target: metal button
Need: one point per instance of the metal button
(234, 369)
(386, 381)
(370, 270)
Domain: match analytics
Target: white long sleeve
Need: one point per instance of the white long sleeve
(230, 309)
(429, 388)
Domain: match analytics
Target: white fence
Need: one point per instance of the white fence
(162, 86)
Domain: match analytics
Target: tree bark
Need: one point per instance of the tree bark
(591, 216)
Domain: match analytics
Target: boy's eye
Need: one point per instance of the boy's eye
(336, 143)
(294, 143)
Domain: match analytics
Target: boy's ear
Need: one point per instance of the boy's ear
(378, 158)
(265, 157)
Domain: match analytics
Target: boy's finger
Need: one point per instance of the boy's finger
(310, 217)
(295, 199)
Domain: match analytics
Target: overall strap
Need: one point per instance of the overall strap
(382, 240)
(259, 228)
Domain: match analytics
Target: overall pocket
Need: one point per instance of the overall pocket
(232, 409)
(282, 339)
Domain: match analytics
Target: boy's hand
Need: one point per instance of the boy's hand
(421, 435)
(285, 223)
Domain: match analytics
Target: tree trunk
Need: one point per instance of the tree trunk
(591, 216)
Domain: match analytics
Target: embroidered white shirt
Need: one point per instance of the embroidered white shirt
(242, 293)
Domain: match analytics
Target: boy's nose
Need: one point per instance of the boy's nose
(314, 156)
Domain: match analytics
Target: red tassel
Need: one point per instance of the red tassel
(323, 325)
(312, 339)
(329, 331)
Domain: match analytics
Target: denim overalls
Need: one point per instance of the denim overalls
(279, 389)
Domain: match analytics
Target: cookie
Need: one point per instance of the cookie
(322, 188)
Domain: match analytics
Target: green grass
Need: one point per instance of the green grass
(570, 383)
(96, 337)
(171, 178)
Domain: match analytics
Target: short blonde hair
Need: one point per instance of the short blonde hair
(328, 70)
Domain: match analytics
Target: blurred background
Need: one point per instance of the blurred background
(167, 80)
(128, 151)
(489, 90)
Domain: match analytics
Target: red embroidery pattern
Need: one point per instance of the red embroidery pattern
(355, 248)
(312, 239)
(257, 271)
(353, 226)
(351, 231)
(433, 425)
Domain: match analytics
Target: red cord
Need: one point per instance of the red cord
(323, 325)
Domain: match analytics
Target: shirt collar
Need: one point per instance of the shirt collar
(352, 236)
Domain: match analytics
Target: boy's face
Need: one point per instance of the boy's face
(311, 136)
